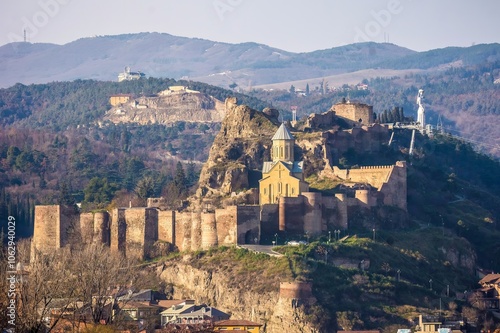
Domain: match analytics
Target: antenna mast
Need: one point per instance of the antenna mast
(439, 125)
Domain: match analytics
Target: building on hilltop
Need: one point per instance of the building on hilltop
(283, 176)
(177, 90)
(354, 113)
(127, 75)
(119, 99)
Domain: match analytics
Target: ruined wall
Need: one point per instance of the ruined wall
(226, 225)
(354, 112)
(394, 191)
(365, 139)
(373, 175)
(312, 213)
(269, 216)
(291, 214)
(208, 231)
(51, 230)
(166, 226)
(101, 231)
(248, 228)
(323, 120)
(195, 231)
(296, 290)
(341, 210)
(142, 231)
(183, 231)
(118, 230)
(332, 215)
(86, 227)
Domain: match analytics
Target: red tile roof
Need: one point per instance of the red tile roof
(490, 278)
(236, 323)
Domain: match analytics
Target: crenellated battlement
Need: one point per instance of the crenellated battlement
(377, 167)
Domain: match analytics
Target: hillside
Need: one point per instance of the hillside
(167, 108)
(465, 98)
(164, 55)
(53, 150)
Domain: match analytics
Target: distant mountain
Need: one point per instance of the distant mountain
(246, 64)
(164, 55)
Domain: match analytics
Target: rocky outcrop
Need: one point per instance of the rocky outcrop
(168, 109)
(277, 314)
(238, 151)
(464, 257)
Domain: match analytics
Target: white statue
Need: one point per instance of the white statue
(421, 109)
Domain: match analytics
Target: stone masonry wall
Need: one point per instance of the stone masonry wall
(46, 236)
(226, 225)
(166, 226)
(355, 112)
(248, 228)
(118, 230)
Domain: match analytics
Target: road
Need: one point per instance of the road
(267, 249)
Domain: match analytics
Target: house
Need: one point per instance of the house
(200, 315)
(171, 314)
(237, 325)
(143, 306)
(283, 176)
(428, 325)
(490, 288)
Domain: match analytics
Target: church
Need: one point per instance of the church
(283, 176)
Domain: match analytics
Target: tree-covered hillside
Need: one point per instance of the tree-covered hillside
(466, 97)
(54, 148)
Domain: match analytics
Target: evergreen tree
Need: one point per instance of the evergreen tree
(65, 197)
(191, 175)
(145, 187)
(180, 180)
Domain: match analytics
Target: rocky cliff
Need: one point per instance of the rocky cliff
(168, 108)
(239, 149)
(240, 297)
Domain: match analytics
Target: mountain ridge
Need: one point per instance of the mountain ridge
(165, 55)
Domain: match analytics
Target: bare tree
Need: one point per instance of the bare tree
(43, 290)
(99, 276)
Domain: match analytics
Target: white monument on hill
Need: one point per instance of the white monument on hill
(421, 110)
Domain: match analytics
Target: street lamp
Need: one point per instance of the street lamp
(276, 237)
(399, 272)
(373, 234)
(329, 236)
(362, 264)
(337, 232)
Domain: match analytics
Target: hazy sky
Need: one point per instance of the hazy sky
(292, 25)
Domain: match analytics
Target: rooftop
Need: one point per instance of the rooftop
(283, 133)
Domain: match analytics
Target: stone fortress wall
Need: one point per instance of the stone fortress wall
(133, 231)
(354, 112)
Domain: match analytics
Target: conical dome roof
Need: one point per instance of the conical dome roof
(283, 133)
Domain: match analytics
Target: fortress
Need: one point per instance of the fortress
(286, 206)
